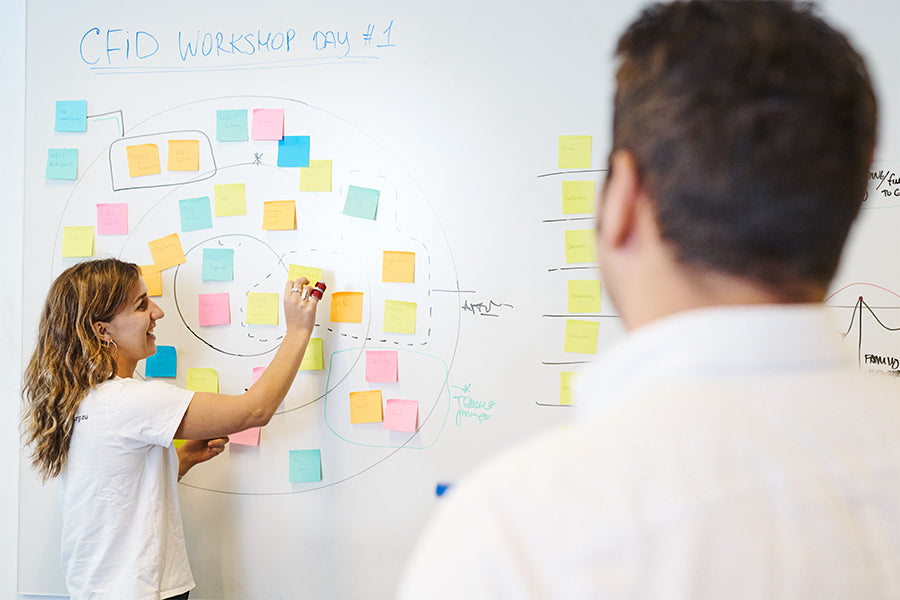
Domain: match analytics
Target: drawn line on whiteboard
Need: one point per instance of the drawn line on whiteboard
(119, 116)
(167, 70)
(249, 64)
(200, 176)
(569, 219)
(572, 172)
(554, 405)
(592, 315)
(571, 362)
(591, 267)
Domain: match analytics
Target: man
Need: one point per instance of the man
(728, 447)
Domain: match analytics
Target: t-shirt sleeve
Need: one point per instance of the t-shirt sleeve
(148, 412)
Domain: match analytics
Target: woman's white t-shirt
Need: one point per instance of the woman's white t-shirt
(122, 535)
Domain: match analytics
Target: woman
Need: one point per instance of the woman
(109, 436)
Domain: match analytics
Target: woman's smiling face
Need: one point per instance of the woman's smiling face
(132, 329)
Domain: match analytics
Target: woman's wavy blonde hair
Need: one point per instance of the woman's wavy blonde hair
(69, 358)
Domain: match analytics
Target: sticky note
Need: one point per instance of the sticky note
(316, 177)
(399, 317)
(112, 219)
(293, 151)
(162, 364)
(231, 125)
(578, 197)
(279, 214)
(62, 163)
(313, 274)
(268, 123)
(152, 277)
(167, 251)
(584, 296)
(314, 357)
(262, 308)
(143, 160)
(398, 267)
(248, 437)
(218, 264)
(213, 309)
(71, 115)
(230, 199)
(184, 155)
(581, 246)
(305, 466)
(203, 380)
(361, 202)
(581, 336)
(78, 241)
(401, 415)
(574, 152)
(365, 407)
(565, 387)
(195, 214)
(346, 307)
(381, 366)
(257, 373)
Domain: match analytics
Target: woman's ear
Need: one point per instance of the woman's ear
(101, 330)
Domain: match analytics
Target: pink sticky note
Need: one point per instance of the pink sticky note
(112, 219)
(381, 366)
(401, 415)
(257, 371)
(214, 309)
(248, 437)
(268, 123)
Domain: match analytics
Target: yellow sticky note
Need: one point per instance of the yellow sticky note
(578, 197)
(152, 277)
(314, 357)
(78, 241)
(279, 214)
(581, 336)
(398, 267)
(565, 387)
(313, 274)
(399, 317)
(574, 152)
(365, 407)
(184, 155)
(581, 246)
(203, 380)
(262, 309)
(143, 160)
(584, 296)
(167, 252)
(316, 177)
(346, 307)
(230, 199)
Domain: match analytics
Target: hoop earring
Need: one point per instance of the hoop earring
(115, 346)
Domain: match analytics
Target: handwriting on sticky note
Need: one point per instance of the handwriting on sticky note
(314, 357)
(152, 277)
(399, 317)
(305, 466)
(268, 123)
(143, 159)
(584, 296)
(581, 246)
(293, 151)
(218, 264)
(401, 415)
(581, 336)
(565, 387)
(203, 380)
(78, 241)
(162, 364)
(167, 252)
(381, 366)
(184, 155)
(262, 308)
(574, 152)
(230, 199)
(195, 214)
(578, 197)
(398, 267)
(231, 125)
(112, 219)
(316, 177)
(62, 163)
(365, 407)
(279, 214)
(346, 307)
(213, 309)
(71, 115)
(313, 274)
(362, 202)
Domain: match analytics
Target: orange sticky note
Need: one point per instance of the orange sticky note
(143, 160)
(279, 214)
(184, 155)
(346, 307)
(167, 252)
(398, 267)
(365, 407)
(152, 277)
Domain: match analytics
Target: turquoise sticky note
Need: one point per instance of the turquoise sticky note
(71, 115)
(218, 264)
(293, 151)
(195, 214)
(162, 364)
(231, 126)
(361, 202)
(305, 466)
(62, 163)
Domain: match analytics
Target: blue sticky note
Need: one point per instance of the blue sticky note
(441, 488)
(218, 264)
(62, 163)
(71, 115)
(362, 202)
(306, 465)
(163, 363)
(231, 126)
(293, 151)
(195, 214)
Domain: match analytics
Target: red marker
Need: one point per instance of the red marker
(319, 289)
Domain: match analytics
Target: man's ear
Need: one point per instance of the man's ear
(619, 209)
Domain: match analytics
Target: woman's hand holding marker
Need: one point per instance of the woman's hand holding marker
(299, 309)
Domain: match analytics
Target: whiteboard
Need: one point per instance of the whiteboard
(453, 114)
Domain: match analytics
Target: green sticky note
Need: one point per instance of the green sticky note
(62, 163)
(581, 246)
(78, 241)
(565, 387)
(581, 336)
(361, 202)
(578, 197)
(262, 309)
(584, 295)
(314, 357)
(305, 466)
(218, 264)
(71, 115)
(230, 199)
(195, 214)
(231, 126)
(574, 152)
(399, 317)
